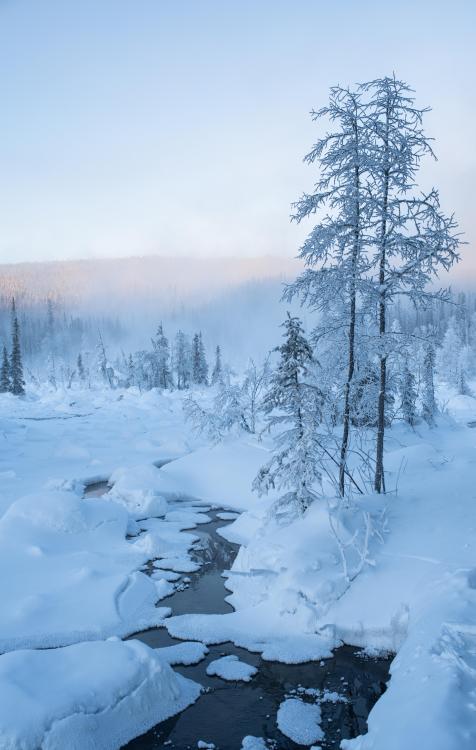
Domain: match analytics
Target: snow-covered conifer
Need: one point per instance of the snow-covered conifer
(17, 384)
(182, 360)
(408, 396)
(217, 374)
(5, 372)
(293, 405)
(162, 377)
(199, 361)
(448, 355)
(80, 368)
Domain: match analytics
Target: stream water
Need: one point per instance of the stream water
(228, 711)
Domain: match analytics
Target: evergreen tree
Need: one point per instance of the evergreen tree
(80, 368)
(464, 368)
(449, 355)
(428, 409)
(182, 355)
(293, 404)
(5, 372)
(17, 384)
(162, 377)
(199, 361)
(131, 375)
(408, 396)
(217, 374)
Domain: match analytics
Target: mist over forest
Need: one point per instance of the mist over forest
(124, 300)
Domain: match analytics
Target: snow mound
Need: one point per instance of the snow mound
(76, 576)
(462, 408)
(139, 489)
(189, 652)
(97, 694)
(231, 668)
(300, 721)
(59, 512)
(253, 743)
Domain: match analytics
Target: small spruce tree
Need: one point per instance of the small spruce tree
(5, 372)
(162, 377)
(293, 404)
(408, 396)
(217, 374)
(17, 384)
(80, 368)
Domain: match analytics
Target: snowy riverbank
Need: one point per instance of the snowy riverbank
(76, 577)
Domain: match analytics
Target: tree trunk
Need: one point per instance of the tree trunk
(351, 358)
(379, 480)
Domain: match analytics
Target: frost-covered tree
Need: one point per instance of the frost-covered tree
(334, 250)
(465, 367)
(130, 372)
(162, 377)
(413, 239)
(408, 396)
(253, 390)
(217, 374)
(293, 405)
(199, 361)
(103, 366)
(80, 368)
(182, 360)
(17, 384)
(448, 356)
(428, 403)
(5, 372)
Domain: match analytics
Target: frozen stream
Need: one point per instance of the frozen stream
(228, 711)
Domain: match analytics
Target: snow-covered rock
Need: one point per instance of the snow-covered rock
(139, 489)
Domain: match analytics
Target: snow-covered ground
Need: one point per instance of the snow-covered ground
(75, 574)
(72, 577)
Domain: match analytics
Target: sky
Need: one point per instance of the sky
(178, 127)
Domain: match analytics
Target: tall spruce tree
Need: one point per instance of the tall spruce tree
(5, 372)
(17, 384)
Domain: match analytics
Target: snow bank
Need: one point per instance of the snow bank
(75, 575)
(90, 695)
(220, 474)
(139, 489)
(300, 721)
(293, 603)
(231, 668)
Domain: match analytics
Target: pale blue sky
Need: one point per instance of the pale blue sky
(145, 126)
